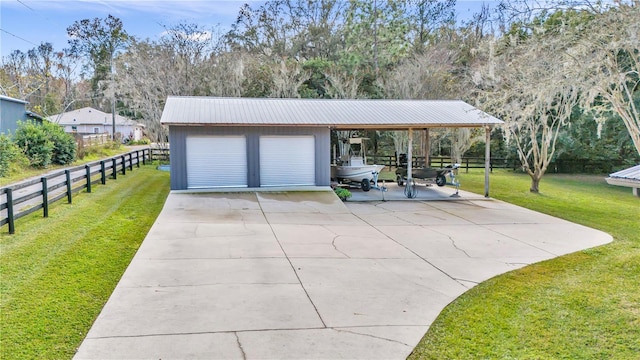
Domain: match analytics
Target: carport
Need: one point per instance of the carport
(262, 142)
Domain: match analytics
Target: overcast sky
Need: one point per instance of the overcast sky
(25, 24)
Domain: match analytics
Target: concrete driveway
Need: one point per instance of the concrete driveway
(300, 275)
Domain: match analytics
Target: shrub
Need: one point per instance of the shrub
(143, 141)
(342, 193)
(64, 145)
(35, 143)
(45, 143)
(10, 155)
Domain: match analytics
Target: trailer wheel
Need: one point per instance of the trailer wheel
(441, 180)
(366, 185)
(400, 180)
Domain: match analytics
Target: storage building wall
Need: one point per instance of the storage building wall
(178, 154)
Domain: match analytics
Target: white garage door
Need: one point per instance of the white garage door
(216, 161)
(287, 160)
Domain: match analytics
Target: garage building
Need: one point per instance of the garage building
(265, 142)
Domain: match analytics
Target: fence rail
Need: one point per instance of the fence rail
(16, 201)
(159, 153)
(442, 161)
(92, 139)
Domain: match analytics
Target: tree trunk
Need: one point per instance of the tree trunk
(535, 184)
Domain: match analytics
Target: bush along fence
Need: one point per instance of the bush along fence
(30, 196)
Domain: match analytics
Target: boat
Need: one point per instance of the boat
(437, 175)
(352, 167)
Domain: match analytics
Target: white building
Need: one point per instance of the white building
(92, 121)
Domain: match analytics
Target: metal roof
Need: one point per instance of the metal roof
(89, 116)
(632, 173)
(8, 98)
(338, 113)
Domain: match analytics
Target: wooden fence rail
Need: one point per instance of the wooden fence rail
(17, 201)
(93, 139)
(159, 153)
(442, 161)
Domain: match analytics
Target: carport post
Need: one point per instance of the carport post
(426, 147)
(487, 159)
(410, 157)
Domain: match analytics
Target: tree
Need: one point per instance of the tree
(375, 34)
(425, 17)
(189, 42)
(462, 139)
(147, 74)
(288, 76)
(526, 82)
(99, 40)
(607, 64)
(18, 81)
(66, 63)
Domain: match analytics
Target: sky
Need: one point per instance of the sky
(25, 24)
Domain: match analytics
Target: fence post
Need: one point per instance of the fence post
(150, 155)
(144, 162)
(124, 165)
(114, 169)
(130, 161)
(103, 174)
(87, 169)
(12, 227)
(137, 158)
(45, 197)
(67, 174)
(467, 163)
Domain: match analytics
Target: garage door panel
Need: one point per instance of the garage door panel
(287, 160)
(216, 161)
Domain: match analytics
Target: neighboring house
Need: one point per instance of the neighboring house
(248, 142)
(88, 120)
(629, 177)
(14, 110)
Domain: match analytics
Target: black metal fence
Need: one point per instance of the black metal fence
(30, 196)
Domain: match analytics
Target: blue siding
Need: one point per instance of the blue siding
(11, 112)
(178, 136)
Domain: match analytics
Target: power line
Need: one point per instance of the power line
(18, 37)
(25, 5)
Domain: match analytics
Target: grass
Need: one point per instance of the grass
(584, 305)
(57, 273)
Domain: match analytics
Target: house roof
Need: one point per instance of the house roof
(7, 98)
(338, 113)
(632, 173)
(89, 116)
(34, 115)
(628, 177)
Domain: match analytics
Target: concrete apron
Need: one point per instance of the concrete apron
(302, 275)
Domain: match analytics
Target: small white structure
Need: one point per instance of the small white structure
(628, 177)
(92, 121)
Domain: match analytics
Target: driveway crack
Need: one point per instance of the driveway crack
(371, 336)
(324, 325)
(333, 243)
(453, 242)
(244, 355)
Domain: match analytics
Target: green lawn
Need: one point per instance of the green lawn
(580, 306)
(57, 273)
